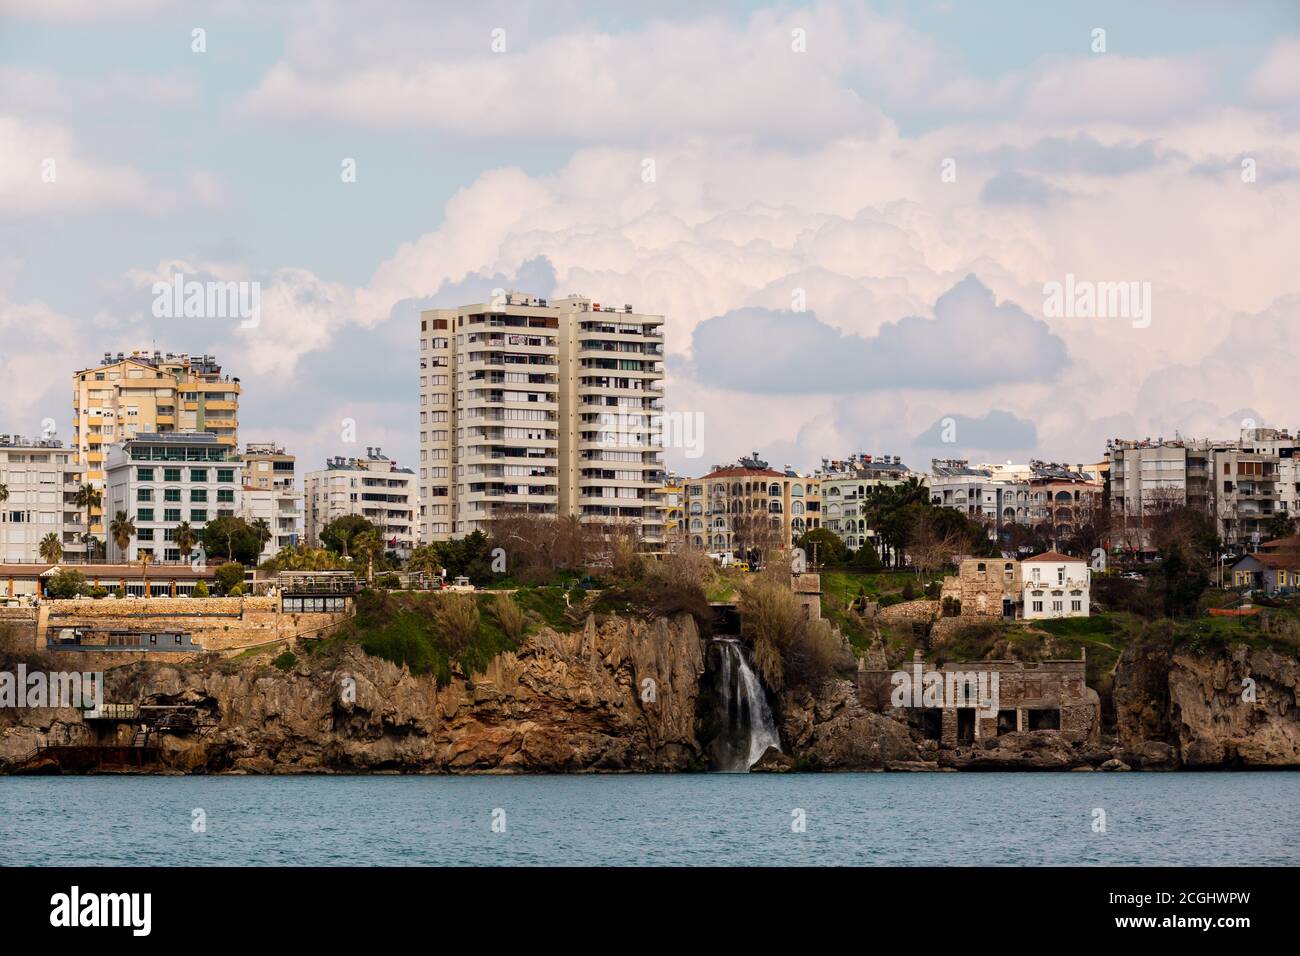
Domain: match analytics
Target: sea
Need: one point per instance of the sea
(952, 819)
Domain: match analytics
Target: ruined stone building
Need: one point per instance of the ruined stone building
(962, 702)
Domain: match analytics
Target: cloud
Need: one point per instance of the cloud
(759, 350)
(1277, 79)
(1013, 188)
(998, 430)
(42, 170)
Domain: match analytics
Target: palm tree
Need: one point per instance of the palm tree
(186, 538)
(51, 549)
(263, 532)
(88, 497)
(368, 544)
(122, 529)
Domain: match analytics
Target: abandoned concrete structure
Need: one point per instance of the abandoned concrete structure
(1026, 696)
(985, 587)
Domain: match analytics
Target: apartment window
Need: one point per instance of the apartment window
(144, 514)
(171, 494)
(171, 514)
(198, 474)
(199, 515)
(171, 474)
(225, 496)
(199, 495)
(144, 534)
(144, 474)
(144, 494)
(1038, 606)
(1076, 605)
(225, 476)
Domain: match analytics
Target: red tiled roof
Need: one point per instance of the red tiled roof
(742, 473)
(1050, 556)
(1289, 543)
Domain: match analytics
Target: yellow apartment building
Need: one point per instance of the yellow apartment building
(138, 393)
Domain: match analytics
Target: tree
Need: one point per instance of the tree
(186, 539)
(1281, 525)
(303, 557)
(425, 559)
(823, 546)
(88, 497)
(1179, 581)
(51, 548)
(340, 533)
(122, 529)
(65, 583)
(232, 537)
(229, 576)
(263, 532)
(4, 493)
(366, 545)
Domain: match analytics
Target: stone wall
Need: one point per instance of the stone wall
(981, 584)
(215, 623)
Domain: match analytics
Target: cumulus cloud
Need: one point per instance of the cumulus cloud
(998, 430)
(758, 350)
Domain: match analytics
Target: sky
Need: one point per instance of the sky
(851, 215)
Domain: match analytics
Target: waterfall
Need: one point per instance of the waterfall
(746, 727)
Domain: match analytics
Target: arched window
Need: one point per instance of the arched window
(774, 490)
(796, 490)
(796, 507)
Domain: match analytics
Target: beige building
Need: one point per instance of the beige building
(271, 495)
(40, 478)
(749, 506)
(373, 487)
(548, 407)
(148, 393)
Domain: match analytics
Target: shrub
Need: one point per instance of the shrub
(239, 590)
(65, 583)
(389, 582)
(200, 590)
(229, 576)
(285, 661)
(509, 616)
(98, 591)
(790, 650)
(909, 592)
(458, 619)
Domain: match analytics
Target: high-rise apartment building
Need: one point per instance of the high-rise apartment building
(40, 481)
(270, 495)
(546, 407)
(372, 487)
(148, 393)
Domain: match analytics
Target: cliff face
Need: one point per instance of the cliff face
(617, 697)
(1205, 709)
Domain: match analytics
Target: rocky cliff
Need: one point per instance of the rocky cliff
(1231, 707)
(619, 697)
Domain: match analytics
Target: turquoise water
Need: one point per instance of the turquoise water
(721, 819)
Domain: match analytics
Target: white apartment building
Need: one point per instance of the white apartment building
(1055, 585)
(1242, 483)
(547, 407)
(162, 480)
(41, 478)
(271, 495)
(845, 485)
(980, 494)
(373, 487)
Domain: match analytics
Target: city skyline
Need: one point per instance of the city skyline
(901, 212)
